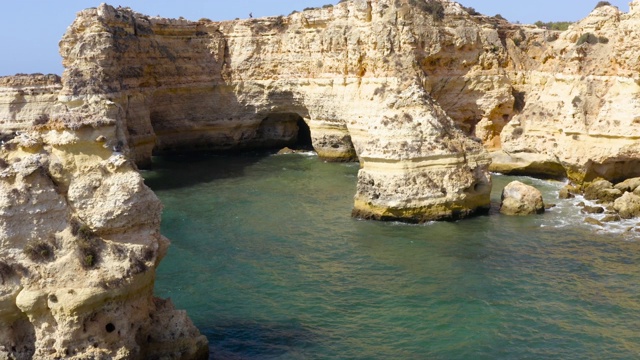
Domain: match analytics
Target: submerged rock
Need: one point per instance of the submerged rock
(593, 210)
(593, 221)
(521, 199)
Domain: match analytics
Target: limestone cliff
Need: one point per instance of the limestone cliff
(416, 91)
(348, 73)
(582, 100)
(79, 244)
(26, 100)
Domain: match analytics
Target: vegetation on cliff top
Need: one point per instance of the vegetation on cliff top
(602, 3)
(557, 25)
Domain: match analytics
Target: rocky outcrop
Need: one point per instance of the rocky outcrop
(344, 73)
(415, 91)
(79, 244)
(628, 205)
(79, 230)
(521, 199)
(580, 117)
(26, 100)
(601, 190)
(539, 100)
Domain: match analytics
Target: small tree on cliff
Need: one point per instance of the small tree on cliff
(602, 3)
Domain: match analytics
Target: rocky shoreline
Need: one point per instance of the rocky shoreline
(428, 103)
(607, 202)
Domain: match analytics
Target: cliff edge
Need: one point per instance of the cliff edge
(424, 94)
(348, 73)
(79, 245)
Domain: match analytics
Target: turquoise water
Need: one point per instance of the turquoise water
(269, 265)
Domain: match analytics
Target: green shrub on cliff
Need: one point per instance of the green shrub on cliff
(436, 10)
(88, 252)
(602, 3)
(39, 250)
(88, 244)
(557, 25)
(591, 39)
(471, 11)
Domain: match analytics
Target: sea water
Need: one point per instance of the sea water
(269, 264)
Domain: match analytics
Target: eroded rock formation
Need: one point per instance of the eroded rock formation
(25, 101)
(79, 244)
(417, 95)
(348, 72)
(582, 109)
(521, 199)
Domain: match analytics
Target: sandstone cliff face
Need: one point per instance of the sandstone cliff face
(26, 100)
(77, 273)
(348, 72)
(386, 82)
(79, 244)
(582, 101)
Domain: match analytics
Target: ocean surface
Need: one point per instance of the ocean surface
(269, 264)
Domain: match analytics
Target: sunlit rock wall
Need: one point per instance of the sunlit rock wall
(347, 72)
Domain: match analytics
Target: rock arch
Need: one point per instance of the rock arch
(227, 88)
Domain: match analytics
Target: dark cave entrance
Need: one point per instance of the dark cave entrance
(283, 130)
(303, 140)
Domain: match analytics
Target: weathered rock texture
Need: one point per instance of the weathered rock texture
(521, 199)
(26, 100)
(79, 244)
(415, 94)
(350, 73)
(582, 100)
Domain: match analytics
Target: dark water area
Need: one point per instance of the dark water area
(269, 264)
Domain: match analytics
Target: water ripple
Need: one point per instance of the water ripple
(269, 265)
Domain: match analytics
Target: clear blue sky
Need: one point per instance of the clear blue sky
(31, 29)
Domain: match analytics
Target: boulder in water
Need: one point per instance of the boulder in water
(593, 221)
(601, 190)
(565, 193)
(521, 199)
(628, 205)
(629, 185)
(611, 218)
(285, 151)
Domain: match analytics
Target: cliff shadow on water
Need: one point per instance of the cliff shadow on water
(186, 170)
(182, 170)
(257, 340)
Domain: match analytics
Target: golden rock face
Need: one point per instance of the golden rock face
(79, 246)
(346, 73)
(424, 103)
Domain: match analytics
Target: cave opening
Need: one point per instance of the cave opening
(303, 139)
(283, 130)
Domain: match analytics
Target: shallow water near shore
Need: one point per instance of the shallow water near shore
(269, 264)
